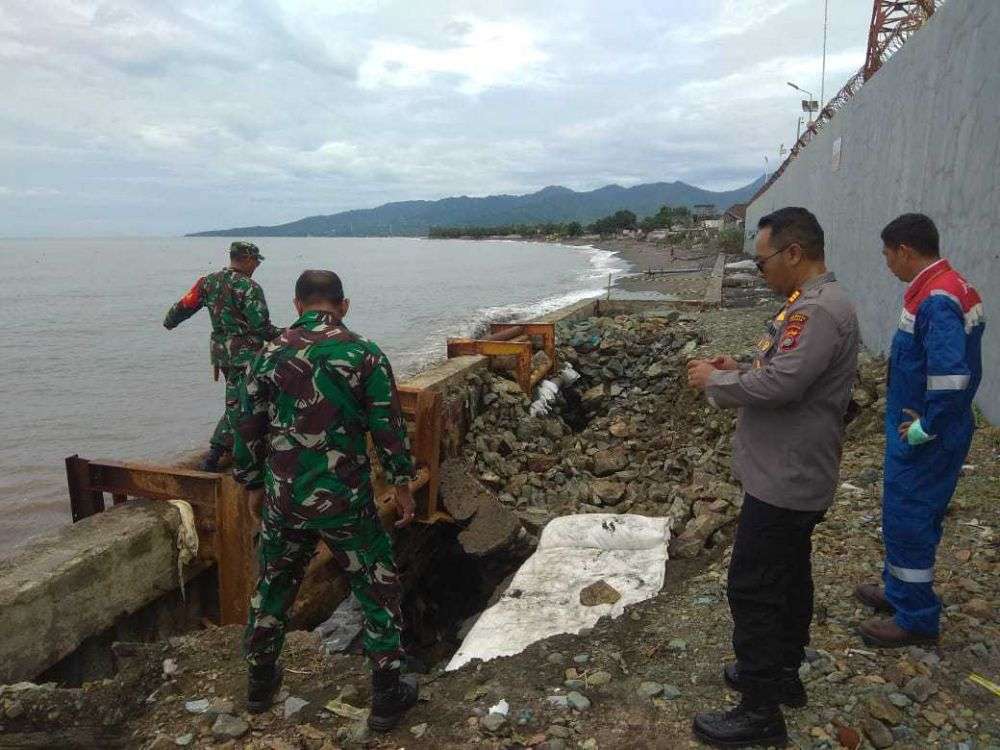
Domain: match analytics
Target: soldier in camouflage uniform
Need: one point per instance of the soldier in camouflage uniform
(310, 398)
(240, 326)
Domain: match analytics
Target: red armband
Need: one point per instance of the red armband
(193, 297)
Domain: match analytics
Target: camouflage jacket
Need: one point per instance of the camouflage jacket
(310, 398)
(240, 320)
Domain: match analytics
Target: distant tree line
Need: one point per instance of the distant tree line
(666, 218)
(548, 229)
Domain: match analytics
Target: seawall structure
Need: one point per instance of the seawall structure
(922, 136)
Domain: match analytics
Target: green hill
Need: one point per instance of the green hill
(552, 204)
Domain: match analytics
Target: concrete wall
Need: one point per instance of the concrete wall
(77, 581)
(922, 135)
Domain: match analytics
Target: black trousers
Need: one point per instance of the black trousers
(770, 591)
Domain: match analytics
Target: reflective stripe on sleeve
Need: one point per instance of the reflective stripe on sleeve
(907, 321)
(947, 382)
(912, 575)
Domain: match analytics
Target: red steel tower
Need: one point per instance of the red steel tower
(892, 22)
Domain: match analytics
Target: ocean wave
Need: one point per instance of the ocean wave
(477, 321)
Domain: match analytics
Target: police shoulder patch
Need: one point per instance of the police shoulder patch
(790, 336)
(797, 318)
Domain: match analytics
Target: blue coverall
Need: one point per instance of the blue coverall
(934, 370)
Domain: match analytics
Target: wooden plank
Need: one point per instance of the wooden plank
(84, 501)
(165, 483)
(524, 369)
(235, 551)
(427, 448)
(504, 331)
(463, 347)
(154, 482)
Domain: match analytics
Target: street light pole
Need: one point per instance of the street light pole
(822, 81)
(808, 105)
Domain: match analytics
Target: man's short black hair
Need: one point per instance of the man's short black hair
(916, 231)
(319, 286)
(795, 224)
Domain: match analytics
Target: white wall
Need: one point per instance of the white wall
(922, 135)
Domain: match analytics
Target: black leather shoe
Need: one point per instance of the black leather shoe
(262, 685)
(210, 461)
(791, 691)
(742, 726)
(392, 696)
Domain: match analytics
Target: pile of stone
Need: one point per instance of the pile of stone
(629, 436)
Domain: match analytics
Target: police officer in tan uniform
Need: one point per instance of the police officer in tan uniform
(786, 452)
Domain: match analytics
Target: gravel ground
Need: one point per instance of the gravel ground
(634, 682)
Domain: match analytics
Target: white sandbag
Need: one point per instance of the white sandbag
(628, 552)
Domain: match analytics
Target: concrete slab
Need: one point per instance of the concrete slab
(78, 580)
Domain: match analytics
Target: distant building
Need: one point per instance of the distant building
(712, 223)
(703, 210)
(735, 215)
(657, 234)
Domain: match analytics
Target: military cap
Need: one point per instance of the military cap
(241, 249)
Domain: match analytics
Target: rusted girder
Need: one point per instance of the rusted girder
(893, 21)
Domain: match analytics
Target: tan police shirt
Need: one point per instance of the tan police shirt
(792, 400)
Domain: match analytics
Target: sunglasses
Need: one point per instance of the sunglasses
(761, 262)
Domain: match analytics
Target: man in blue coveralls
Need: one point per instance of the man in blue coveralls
(934, 371)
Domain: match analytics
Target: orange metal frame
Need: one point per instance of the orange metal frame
(520, 347)
(222, 516)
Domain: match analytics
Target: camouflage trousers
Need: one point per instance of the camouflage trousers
(363, 551)
(223, 435)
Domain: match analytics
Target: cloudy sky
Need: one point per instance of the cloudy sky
(167, 116)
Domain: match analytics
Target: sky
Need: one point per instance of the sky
(159, 117)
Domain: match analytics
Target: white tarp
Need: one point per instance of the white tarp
(543, 599)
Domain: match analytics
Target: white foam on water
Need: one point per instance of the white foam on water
(602, 264)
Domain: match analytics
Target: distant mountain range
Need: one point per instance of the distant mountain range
(552, 204)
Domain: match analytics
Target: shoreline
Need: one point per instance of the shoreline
(642, 256)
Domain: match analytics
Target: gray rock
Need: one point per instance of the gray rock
(183, 740)
(199, 706)
(581, 658)
(920, 688)
(671, 692)
(899, 700)
(555, 658)
(574, 684)
(161, 742)
(557, 730)
(418, 730)
(609, 461)
(650, 689)
(293, 705)
(229, 727)
(877, 733)
(559, 701)
(493, 722)
(677, 644)
(578, 701)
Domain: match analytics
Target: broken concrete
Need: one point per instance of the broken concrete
(77, 581)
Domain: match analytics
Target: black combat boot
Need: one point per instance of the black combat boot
(392, 696)
(750, 723)
(210, 461)
(790, 692)
(262, 685)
